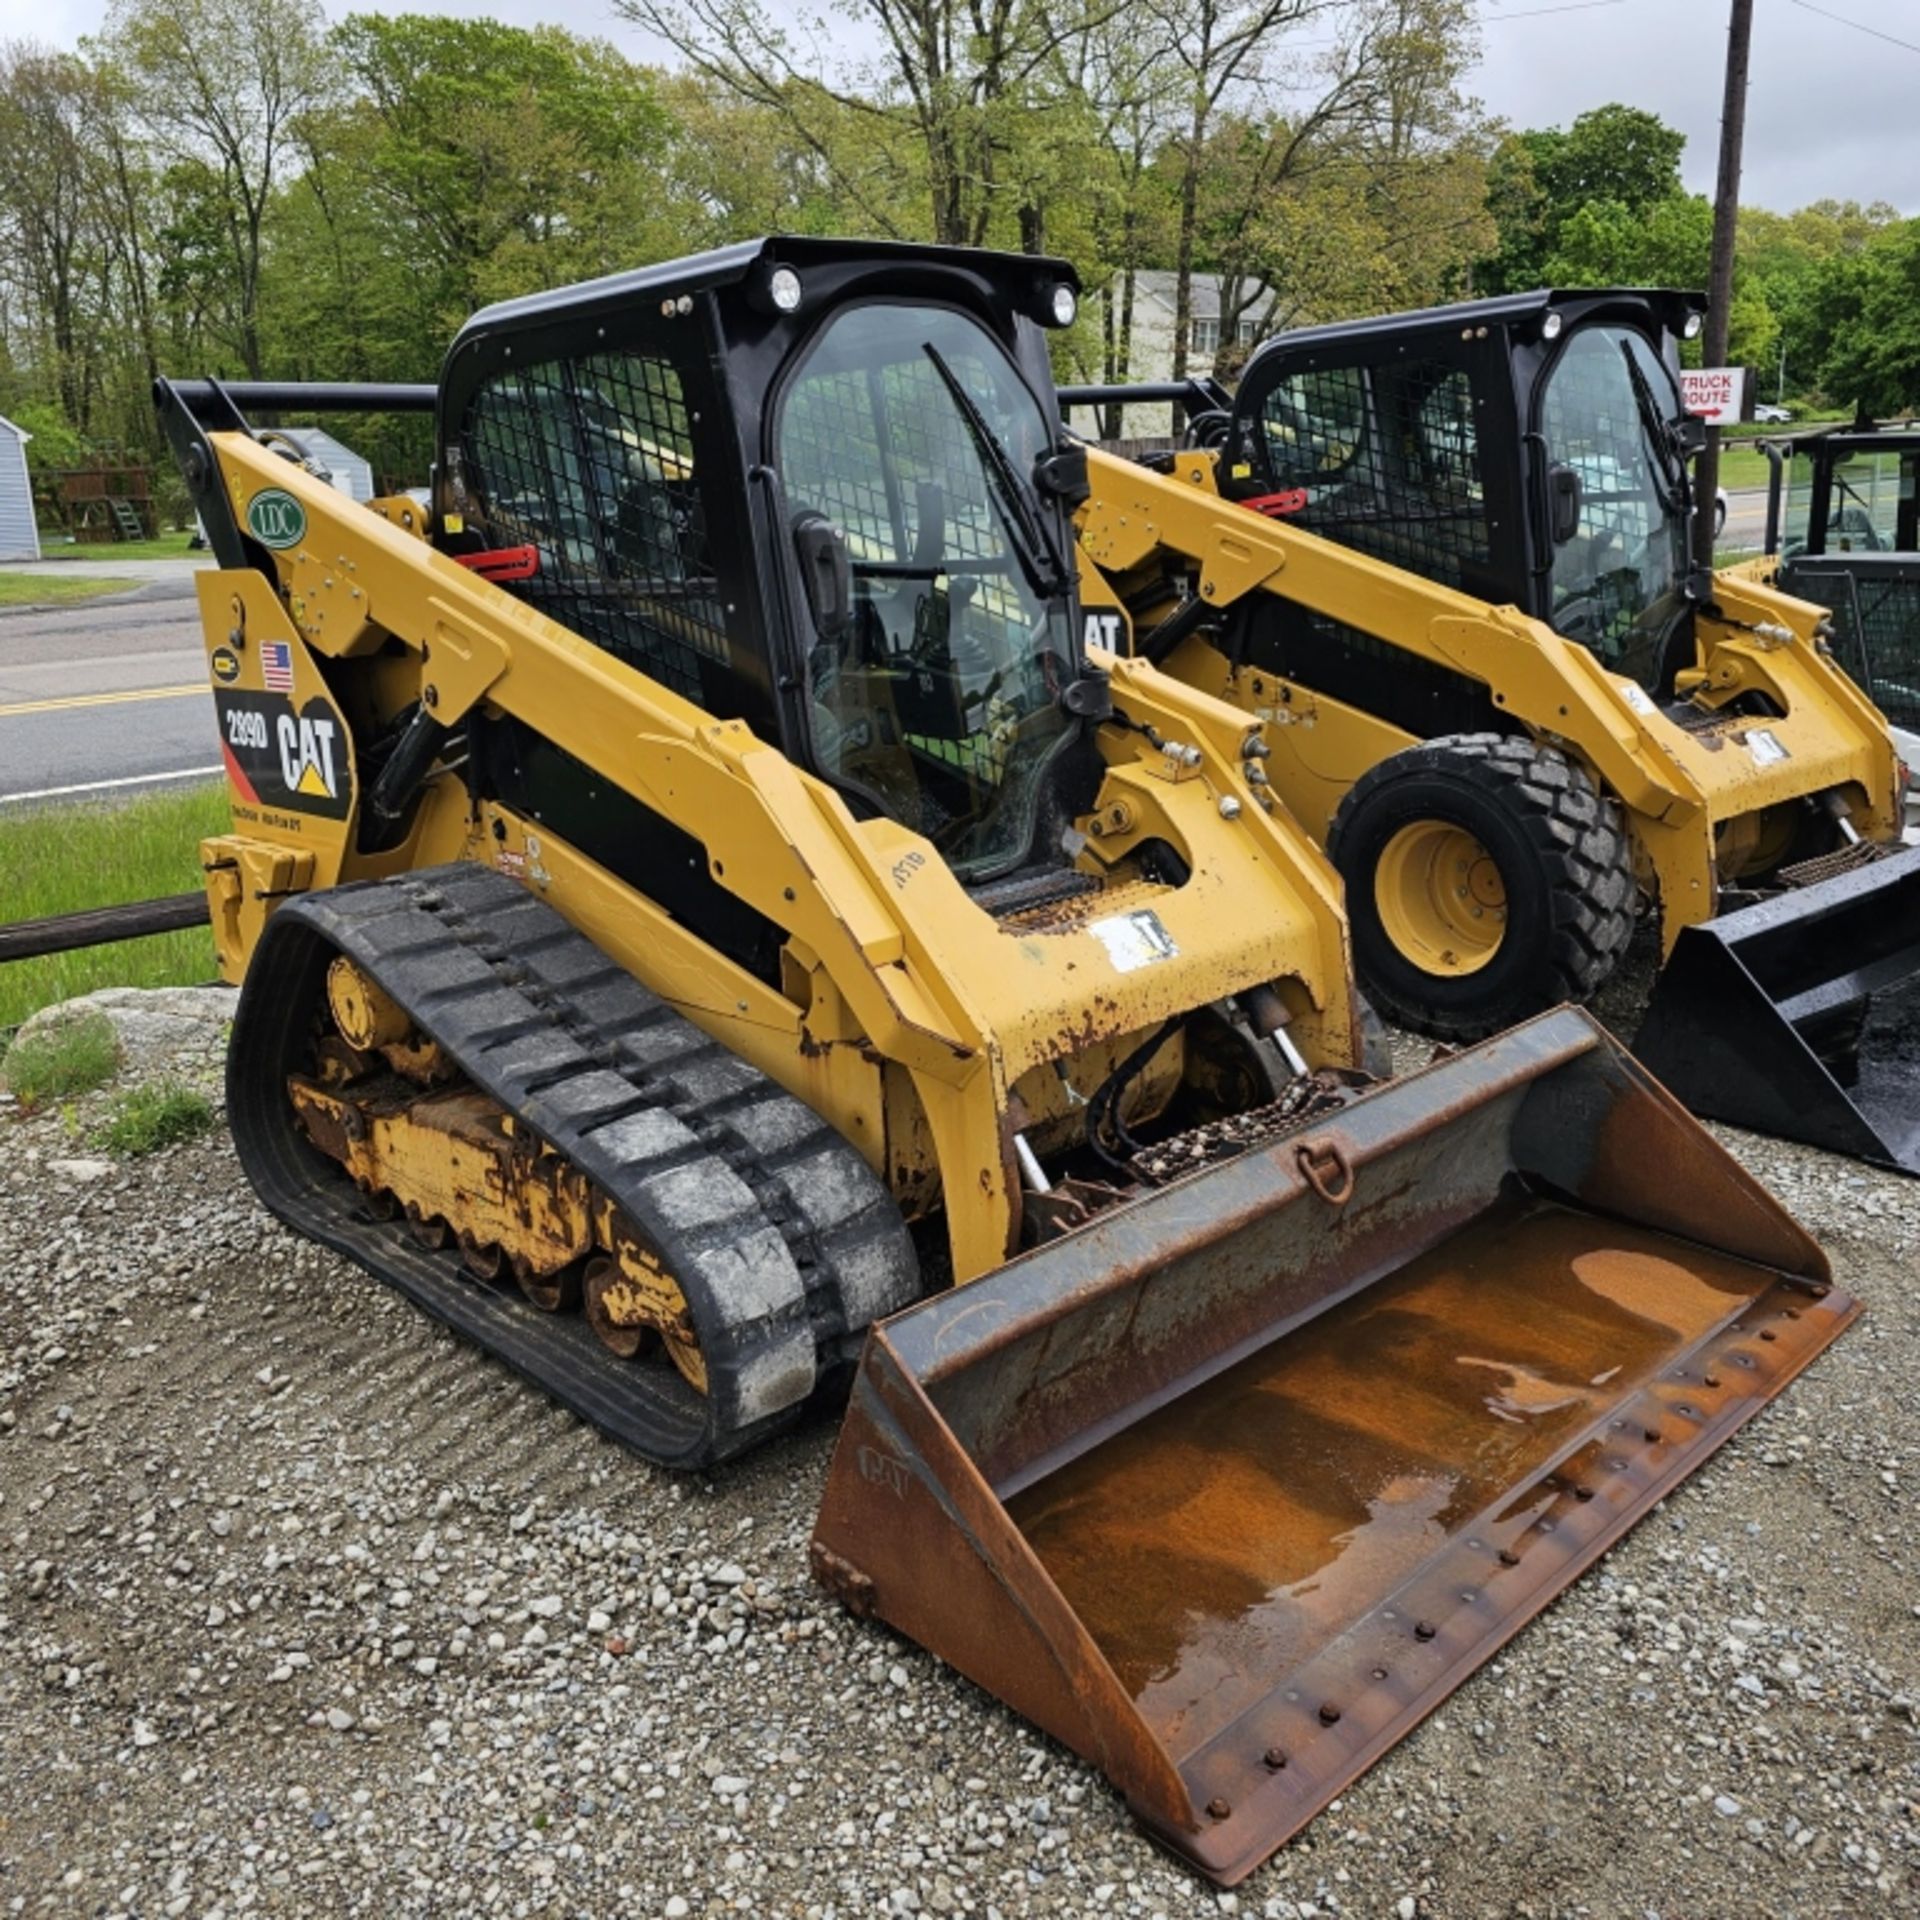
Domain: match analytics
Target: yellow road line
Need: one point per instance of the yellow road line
(103, 699)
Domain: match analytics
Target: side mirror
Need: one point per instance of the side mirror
(1563, 503)
(1063, 473)
(826, 572)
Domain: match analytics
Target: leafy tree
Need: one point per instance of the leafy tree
(1613, 153)
(1874, 361)
(55, 444)
(508, 158)
(219, 84)
(1803, 266)
(1606, 243)
(45, 212)
(1376, 203)
(1620, 160)
(953, 88)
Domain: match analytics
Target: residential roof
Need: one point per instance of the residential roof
(1161, 284)
(19, 433)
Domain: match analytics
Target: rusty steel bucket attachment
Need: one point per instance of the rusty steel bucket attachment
(1801, 1016)
(1232, 1487)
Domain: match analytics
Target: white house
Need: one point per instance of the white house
(19, 536)
(1151, 355)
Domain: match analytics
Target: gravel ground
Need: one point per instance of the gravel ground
(308, 1609)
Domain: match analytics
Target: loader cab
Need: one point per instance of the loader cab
(1843, 516)
(1530, 450)
(813, 486)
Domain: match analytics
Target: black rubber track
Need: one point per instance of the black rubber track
(784, 1241)
(1564, 855)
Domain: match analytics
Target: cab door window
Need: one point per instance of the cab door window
(939, 701)
(1389, 459)
(591, 461)
(1617, 577)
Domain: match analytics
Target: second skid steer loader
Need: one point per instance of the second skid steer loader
(1443, 557)
(697, 894)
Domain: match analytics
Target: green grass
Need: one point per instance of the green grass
(61, 858)
(153, 1115)
(74, 1056)
(168, 546)
(50, 589)
(1742, 466)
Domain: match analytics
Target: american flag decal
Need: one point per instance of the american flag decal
(276, 666)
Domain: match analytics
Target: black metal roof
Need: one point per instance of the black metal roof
(727, 266)
(1670, 308)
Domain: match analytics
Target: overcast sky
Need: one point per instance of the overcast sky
(1833, 111)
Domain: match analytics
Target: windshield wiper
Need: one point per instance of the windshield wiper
(1040, 559)
(1668, 458)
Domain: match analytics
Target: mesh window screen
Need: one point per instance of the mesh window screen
(591, 461)
(1389, 457)
(881, 451)
(1876, 623)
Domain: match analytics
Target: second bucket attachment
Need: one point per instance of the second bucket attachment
(1800, 1016)
(1232, 1487)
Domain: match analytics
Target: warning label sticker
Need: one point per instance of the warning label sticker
(1134, 940)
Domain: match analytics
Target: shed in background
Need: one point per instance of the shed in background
(350, 473)
(19, 534)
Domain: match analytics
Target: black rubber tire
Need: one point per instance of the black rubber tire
(1563, 855)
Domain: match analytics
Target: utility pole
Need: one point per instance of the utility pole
(1726, 214)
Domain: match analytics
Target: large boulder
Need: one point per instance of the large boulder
(164, 1032)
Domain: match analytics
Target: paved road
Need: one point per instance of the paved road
(174, 570)
(107, 696)
(1746, 524)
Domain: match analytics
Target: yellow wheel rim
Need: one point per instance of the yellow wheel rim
(1440, 898)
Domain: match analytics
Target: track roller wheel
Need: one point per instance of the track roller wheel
(429, 1229)
(625, 1312)
(1488, 879)
(484, 1262)
(550, 1292)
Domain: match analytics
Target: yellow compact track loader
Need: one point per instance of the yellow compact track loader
(697, 894)
(1443, 557)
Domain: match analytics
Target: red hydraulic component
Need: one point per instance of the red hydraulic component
(503, 563)
(1278, 506)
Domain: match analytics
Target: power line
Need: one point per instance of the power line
(1806, 6)
(1534, 13)
(1522, 13)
